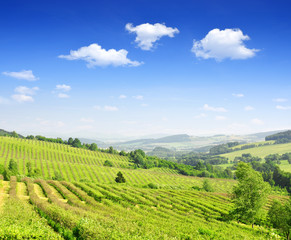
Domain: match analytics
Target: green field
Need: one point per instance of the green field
(261, 151)
(113, 211)
(89, 204)
(75, 164)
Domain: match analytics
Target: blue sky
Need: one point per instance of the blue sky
(136, 68)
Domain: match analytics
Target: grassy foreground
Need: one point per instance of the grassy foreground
(115, 211)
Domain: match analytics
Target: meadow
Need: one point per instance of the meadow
(262, 151)
(46, 209)
(154, 203)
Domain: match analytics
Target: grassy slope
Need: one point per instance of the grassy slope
(262, 152)
(123, 211)
(127, 212)
(79, 164)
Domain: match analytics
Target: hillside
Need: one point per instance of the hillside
(102, 211)
(153, 203)
(260, 151)
(75, 164)
(184, 142)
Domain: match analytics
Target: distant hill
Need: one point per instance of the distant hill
(90, 141)
(281, 137)
(162, 152)
(186, 143)
(6, 133)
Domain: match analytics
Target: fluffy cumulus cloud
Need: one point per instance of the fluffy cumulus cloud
(238, 95)
(283, 107)
(63, 95)
(138, 97)
(63, 87)
(22, 98)
(122, 96)
(110, 108)
(95, 55)
(106, 108)
(87, 120)
(222, 44)
(23, 75)
(26, 90)
(280, 100)
(62, 90)
(206, 107)
(147, 34)
(202, 115)
(24, 94)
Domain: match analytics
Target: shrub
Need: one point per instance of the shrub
(107, 163)
(120, 178)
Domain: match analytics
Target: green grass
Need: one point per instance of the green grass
(93, 206)
(261, 151)
(129, 212)
(83, 165)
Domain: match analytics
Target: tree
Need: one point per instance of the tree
(14, 134)
(249, 195)
(76, 143)
(93, 147)
(107, 163)
(120, 178)
(207, 186)
(13, 167)
(280, 217)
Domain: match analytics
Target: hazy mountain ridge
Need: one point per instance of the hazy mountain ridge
(182, 142)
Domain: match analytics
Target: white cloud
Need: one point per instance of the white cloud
(222, 44)
(87, 120)
(138, 97)
(95, 55)
(147, 34)
(110, 108)
(106, 108)
(280, 100)
(144, 105)
(249, 108)
(63, 95)
(63, 87)
(220, 118)
(202, 115)
(206, 107)
(257, 121)
(283, 107)
(122, 96)
(61, 90)
(25, 90)
(24, 75)
(22, 98)
(23, 94)
(238, 95)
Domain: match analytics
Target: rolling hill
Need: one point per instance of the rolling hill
(88, 204)
(183, 142)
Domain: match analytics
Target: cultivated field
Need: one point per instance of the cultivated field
(76, 164)
(115, 211)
